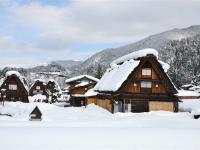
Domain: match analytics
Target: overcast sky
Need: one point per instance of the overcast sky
(38, 31)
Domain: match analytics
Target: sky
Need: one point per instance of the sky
(34, 32)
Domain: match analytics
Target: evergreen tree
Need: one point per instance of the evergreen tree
(55, 94)
(183, 57)
(99, 72)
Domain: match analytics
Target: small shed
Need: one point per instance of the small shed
(35, 115)
(187, 95)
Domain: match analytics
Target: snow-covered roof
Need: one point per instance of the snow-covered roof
(22, 78)
(187, 93)
(9, 73)
(91, 92)
(187, 85)
(84, 83)
(80, 77)
(135, 55)
(164, 65)
(121, 68)
(41, 80)
(194, 88)
(115, 76)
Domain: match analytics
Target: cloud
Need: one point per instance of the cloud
(59, 28)
(105, 20)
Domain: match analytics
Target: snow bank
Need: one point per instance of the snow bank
(51, 112)
(189, 105)
(135, 55)
(37, 97)
(97, 110)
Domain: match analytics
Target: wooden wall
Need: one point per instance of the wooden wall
(34, 91)
(19, 95)
(134, 83)
(106, 104)
(188, 97)
(164, 106)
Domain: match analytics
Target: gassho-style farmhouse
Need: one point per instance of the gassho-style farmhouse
(137, 82)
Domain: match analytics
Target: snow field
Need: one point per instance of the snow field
(93, 128)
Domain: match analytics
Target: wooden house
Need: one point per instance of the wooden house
(39, 88)
(35, 115)
(14, 87)
(78, 86)
(137, 82)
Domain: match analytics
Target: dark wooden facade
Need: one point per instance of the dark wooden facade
(143, 92)
(39, 87)
(14, 89)
(36, 114)
(77, 97)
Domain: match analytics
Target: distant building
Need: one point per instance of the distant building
(187, 95)
(14, 87)
(42, 90)
(39, 88)
(78, 86)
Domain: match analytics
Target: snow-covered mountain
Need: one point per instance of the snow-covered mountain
(156, 41)
(163, 42)
(67, 63)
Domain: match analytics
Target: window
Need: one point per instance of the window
(37, 87)
(146, 72)
(12, 87)
(146, 84)
(118, 108)
(127, 105)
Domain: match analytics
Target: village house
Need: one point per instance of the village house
(78, 86)
(14, 87)
(43, 90)
(38, 91)
(137, 82)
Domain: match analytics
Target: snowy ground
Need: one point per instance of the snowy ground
(93, 128)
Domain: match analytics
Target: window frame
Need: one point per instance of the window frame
(37, 88)
(147, 83)
(12, 87)
(146, 72)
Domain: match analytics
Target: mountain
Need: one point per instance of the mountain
(47, 68)
(157, 41)
(178, 47)
(67, 63)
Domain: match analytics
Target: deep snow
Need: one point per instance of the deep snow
(93, 128)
